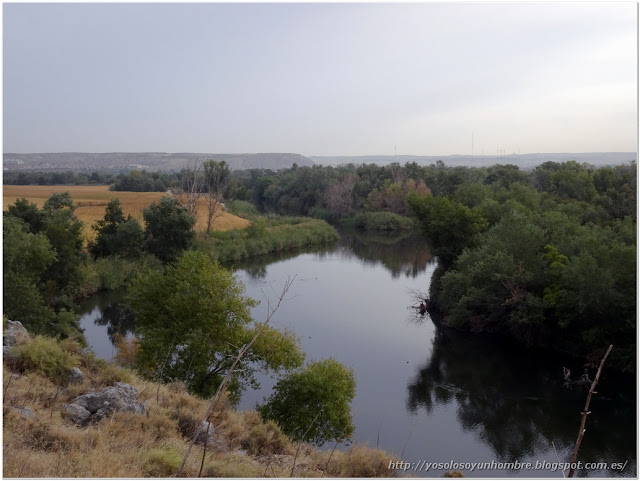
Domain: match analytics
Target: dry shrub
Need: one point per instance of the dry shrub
(126, 350)
(111, 374)
(187, 425)
(232, 465)
(358, 462)
(155, 425)
(453, 474)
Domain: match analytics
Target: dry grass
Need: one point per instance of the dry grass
(91, 202)
(134, 446)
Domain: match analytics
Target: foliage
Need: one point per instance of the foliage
(27, 258)
(45, 356)
(382, 221)
(556, 268)
(451, 226)
(266, 235)
(193, 319)
(169, 229)
(142, 181)
(117, 235)
(312, 404)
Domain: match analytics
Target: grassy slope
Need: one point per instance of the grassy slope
(127, 445)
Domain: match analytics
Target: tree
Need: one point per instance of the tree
(169, 229)
(339, 196)
(193, 319)
(190, 189)
(29, 213)
(450, 225)
(312, 404)
(117, 235)
(26, 257)
(216, 182)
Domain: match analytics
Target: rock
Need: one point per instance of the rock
(76, 376)
(9, 339)
(202, 435)
(25, 412)
(76, 414)
(16, 329)
(119, 397)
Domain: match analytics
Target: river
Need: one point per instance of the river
(424, 394)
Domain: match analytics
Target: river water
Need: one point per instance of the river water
(424, 394)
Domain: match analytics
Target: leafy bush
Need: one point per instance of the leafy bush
(45, 356)
(242, 208)
(312, 404)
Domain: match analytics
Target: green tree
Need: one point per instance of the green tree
(312, 404)
(169, 229)
(451, 226)
(26, 257)
(117, 235)
(29, 213)
(193, 319)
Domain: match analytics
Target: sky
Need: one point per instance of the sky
(321, 79)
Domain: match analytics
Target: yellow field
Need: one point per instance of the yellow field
(91, 202)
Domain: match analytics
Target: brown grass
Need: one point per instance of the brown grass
(133, 446)
(91, 202)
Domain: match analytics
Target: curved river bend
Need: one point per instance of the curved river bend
(424, 394)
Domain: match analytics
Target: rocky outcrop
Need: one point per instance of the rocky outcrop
(92, 406)
(14, 333)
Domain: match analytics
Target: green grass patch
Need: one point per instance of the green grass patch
(266, 235)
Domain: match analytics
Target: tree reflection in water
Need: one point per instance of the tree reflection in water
(115, 313)
(513, 400)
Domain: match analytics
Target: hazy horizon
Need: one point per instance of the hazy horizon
(432, 79)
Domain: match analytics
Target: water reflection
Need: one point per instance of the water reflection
(513, 400)
(105, 316)
(401, 253)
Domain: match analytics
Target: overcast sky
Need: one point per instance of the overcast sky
(320, 79)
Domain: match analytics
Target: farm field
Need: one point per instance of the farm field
(91, 202)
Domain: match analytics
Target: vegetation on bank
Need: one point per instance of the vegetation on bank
(128, 445)
(382, 221)
(266, 235)
(547, 257)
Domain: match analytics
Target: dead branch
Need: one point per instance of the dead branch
(586, 412)
(230, 371)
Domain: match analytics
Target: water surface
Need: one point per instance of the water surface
(423, 393)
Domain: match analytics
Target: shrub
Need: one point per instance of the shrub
(163, 462)
(312, 404)
(45, 356)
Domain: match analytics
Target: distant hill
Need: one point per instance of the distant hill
(524, 161)
(78, 161)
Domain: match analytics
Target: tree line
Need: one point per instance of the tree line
(546, 257)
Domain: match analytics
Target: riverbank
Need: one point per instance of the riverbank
(41, 441)
(266, 235)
